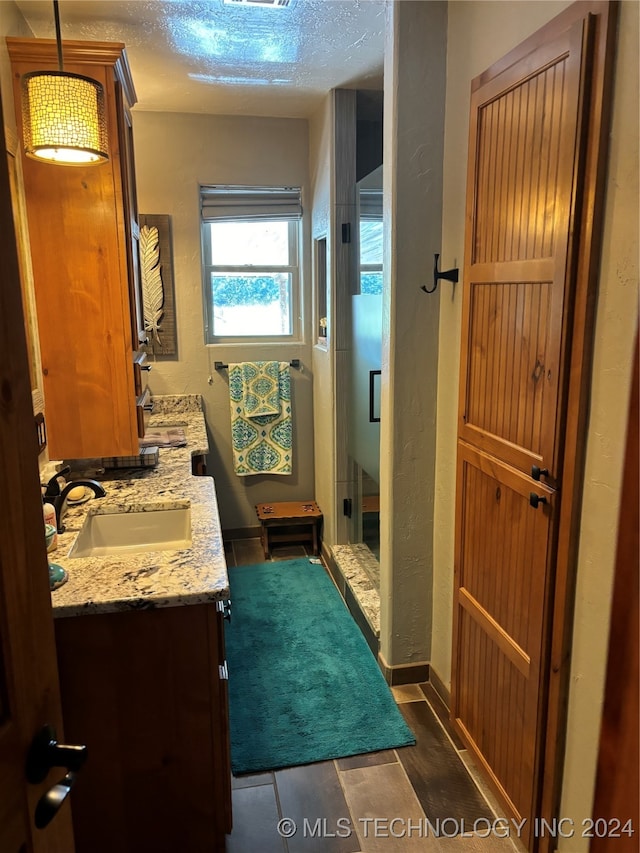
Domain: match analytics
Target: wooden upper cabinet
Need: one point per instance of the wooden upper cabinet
(83, 231)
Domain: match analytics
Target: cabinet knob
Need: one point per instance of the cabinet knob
(535, 500)
(536, 472)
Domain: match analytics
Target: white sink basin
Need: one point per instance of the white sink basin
(109, 534)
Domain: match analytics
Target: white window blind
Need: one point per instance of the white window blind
(250, 204)
(370, 204)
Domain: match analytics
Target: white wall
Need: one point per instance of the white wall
(414, 90)
(175, 153)
(479, 34)
(321, 151)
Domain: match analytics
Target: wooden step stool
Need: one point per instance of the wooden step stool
(289, 521)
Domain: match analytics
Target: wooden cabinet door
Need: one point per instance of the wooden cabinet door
(29, 696)
(145, 688)
(528, 131)
(79, 256)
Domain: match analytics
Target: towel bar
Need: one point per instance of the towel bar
(219, 365)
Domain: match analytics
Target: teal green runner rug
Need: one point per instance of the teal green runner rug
(303, 684)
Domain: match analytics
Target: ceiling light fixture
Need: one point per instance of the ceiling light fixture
(63, 115)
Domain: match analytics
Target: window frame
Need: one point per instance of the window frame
(292, 269)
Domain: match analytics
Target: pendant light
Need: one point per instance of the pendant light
(63, 115)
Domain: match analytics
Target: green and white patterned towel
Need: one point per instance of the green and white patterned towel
(262, 444)
(261, 388)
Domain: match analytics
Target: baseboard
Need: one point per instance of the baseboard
(241, 533)
(403, 673)
(440, 687)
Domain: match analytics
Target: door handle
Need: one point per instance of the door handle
(372, 375)
(51, 802)
(45, 752)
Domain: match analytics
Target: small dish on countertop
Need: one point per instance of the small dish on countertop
(85, 497)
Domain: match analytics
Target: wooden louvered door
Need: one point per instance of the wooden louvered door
(526, 127)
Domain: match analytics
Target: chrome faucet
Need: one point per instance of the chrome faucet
(60, 501)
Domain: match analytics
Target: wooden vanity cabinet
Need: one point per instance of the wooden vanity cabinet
(147, 692)
(83, 232)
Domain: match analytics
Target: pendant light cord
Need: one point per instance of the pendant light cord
(56, 14)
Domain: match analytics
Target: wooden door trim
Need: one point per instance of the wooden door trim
(578, 377)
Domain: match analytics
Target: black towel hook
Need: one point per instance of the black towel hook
(448, 275)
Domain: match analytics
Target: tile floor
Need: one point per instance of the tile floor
(426, 797)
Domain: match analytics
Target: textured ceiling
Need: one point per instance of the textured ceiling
(210, 57)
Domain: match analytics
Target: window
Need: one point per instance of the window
(370, 256)
(370, 202)
(321, 289)
(250, 238)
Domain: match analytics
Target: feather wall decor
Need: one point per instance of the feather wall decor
(152, 287)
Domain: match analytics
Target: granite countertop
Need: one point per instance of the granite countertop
(142, 580)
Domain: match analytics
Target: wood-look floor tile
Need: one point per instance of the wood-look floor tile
(248, 552)
(470, 843)
(441, 711)
(288, 552)
(368, 759)
(385, 811)
(311, 795)
(255, 821)
(407, 693)
(477, 777)
(252, 779)
(436, 772)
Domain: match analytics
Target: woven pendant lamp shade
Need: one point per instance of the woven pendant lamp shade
(63, 117)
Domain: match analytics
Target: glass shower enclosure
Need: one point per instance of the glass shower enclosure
(366, 358)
